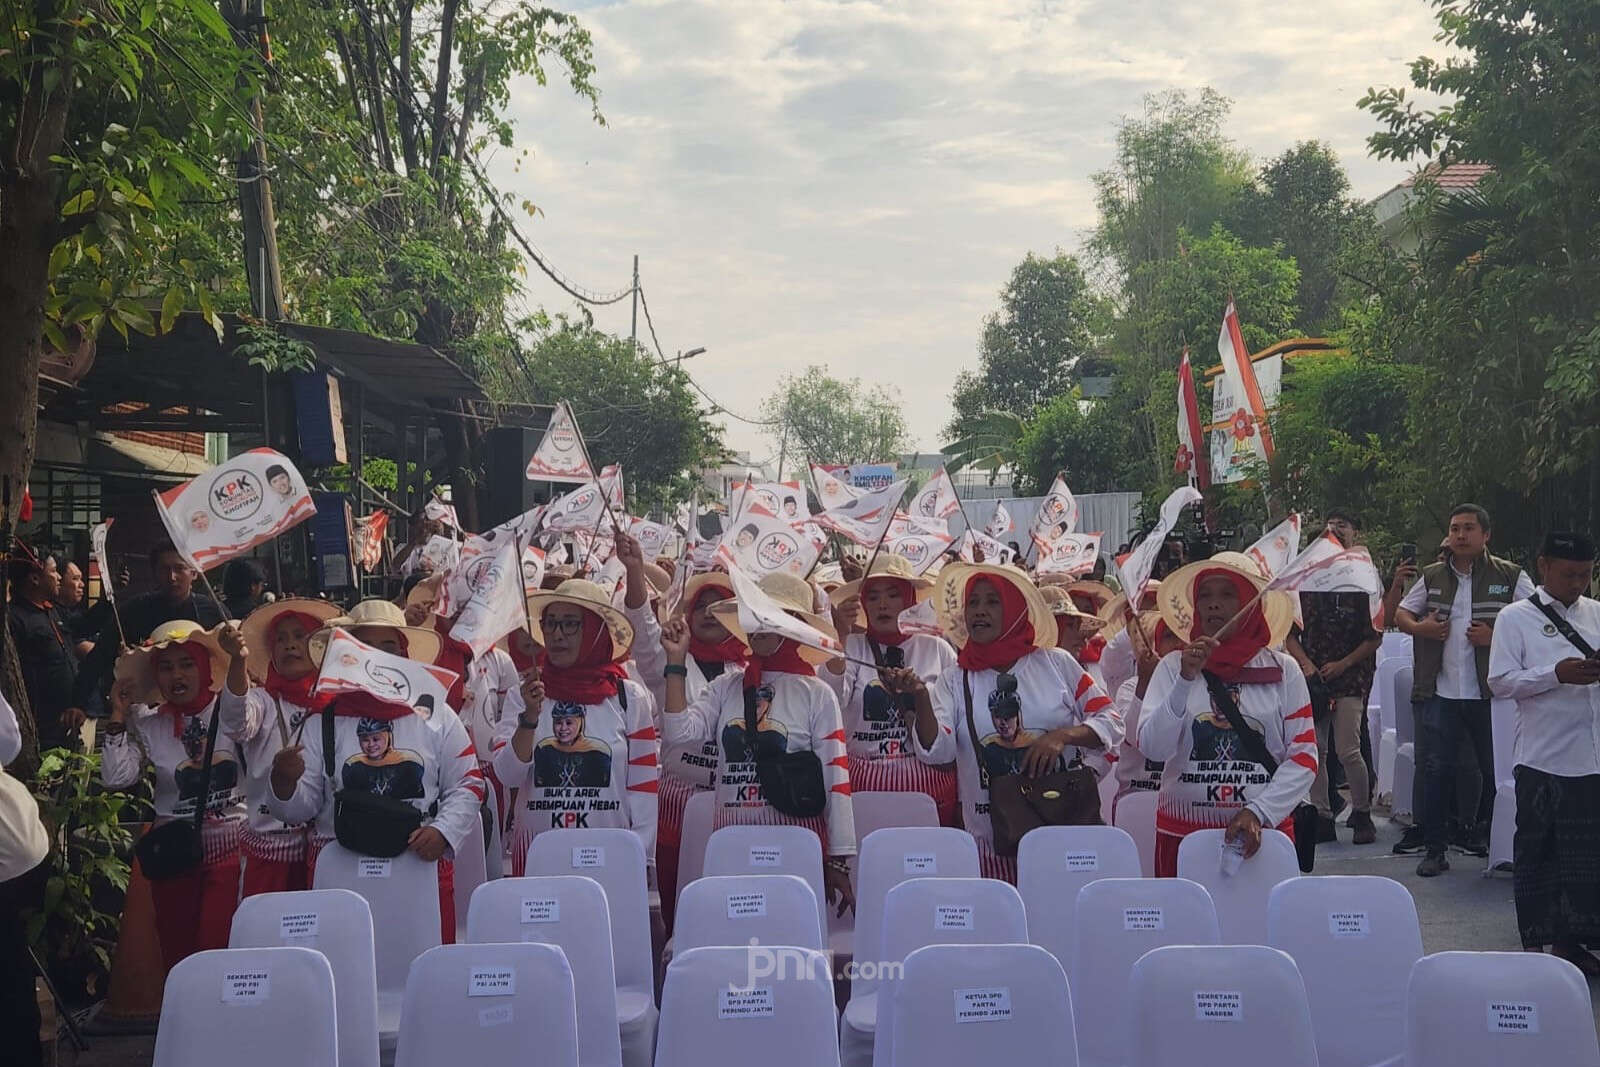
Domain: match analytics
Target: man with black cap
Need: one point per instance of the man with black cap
(1544, 658)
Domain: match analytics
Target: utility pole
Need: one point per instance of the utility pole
(633, 334)
(247, 19)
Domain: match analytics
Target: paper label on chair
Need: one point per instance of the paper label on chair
(588, 856)
(1212, 1007)
(952, 917)
(1083, 860)
(492, 982)
(1513, 1017)
(1348, 924)
(373, 867)
(983, 1005)
(498, 1015)
(1143, 919)
(921, 863)
(747, 905)
(535, 910)
(244, 986)
(752, 1003)
(766, 856)
(297, 926)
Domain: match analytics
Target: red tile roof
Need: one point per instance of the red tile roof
(1454, 176)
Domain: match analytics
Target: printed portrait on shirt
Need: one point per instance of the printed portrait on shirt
(189, 774)
(771, 737)
(1002, 752)
(569, 757)
(1214, 740)
(380, 767)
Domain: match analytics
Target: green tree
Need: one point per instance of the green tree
(989, 441)
(827, 420)
(1084, 440)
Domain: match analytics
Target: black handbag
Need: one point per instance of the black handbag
(367, 823)
(791, 781)
(174, 848)
(1304, 819)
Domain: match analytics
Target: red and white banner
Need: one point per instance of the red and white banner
(920, 618)
(350, 666)
(764, 544)
(497, 604)
(234, 506)
(1191, 458)
(652, 537)
(865, 519)
(1071, 554)
(1001, 522)
(832, 491)
(560, 456)
(781, 500)
(1326, 566)
(1137, 564)
(584, 508)
(936, 500)
(921, 550)
(1248, 421)
(759, 613)
(1057, 514)
(369, 539)
(1277, 547)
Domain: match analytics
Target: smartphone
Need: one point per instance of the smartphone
(1408, 552)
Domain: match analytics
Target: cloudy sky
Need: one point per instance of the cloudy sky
(850, 183)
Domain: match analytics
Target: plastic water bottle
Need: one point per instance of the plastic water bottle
(1232, 856)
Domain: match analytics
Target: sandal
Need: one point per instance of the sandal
(1579, 957)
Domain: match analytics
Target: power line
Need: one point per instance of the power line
(716, 406)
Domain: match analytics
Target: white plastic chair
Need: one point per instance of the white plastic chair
(338, 924)
(1136, 813)
(1241, 898)
(1488, 1009)
(495, 855)
(874, 810)
(615, 859)
(1381, 719)
(769, 850)
(921, 912)
(480, 1004)
(471, 871)
(1503, 823)
(1053, 863)
(698, 816)
(982, 1004)
(1118, 920)
(744, 909)
(1355, 940)
(1397, 645)
(254, 1007)
(731, 1007)
(403, 894)
(568, 912)
(1219, 1004)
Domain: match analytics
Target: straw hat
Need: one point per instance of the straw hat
(691, 589)
(950, 601)
(422, 644)
(1115, 612)
(828, 577)
(794, 595)
(1175, 598)
(1061, 606)
(425, 591)
(140, 663)
(887, 565)
(582, 593)
(660, 581)
(257, 627)
(1101, 593)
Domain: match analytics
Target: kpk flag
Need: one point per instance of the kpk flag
(1277, 546)
(763, 544)
(1071, 554)
(440, 511)
(993, 551)
(561, 456)
(97, 547)
(1249, 419)
(1137, 565)
(783, 500)
(532, 570)
(582, 509)
(936, 500)
(652, 537)
(1000, 523)
(1326, 566)
(1191, 459)
(920, 618)
(497, 605)
(1057, 514)
(832, 491)
(921, 550)
(234, 507)
(349, 666)
(866, 518)
(759, 613)
(369, 539)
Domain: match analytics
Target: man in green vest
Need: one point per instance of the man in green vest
(1450, 615)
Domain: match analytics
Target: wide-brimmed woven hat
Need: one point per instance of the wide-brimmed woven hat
(581, 592)
(257, 627)
(1062, 607)
(140, 663)
(950, 600)
(691, 589)
(887, 565)
(796, 597)
(1175, 598)
(422, 644)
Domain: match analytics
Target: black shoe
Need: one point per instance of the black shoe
(1410, 841)
(1327, 830)
(1432, 865)
(1364, 832)
(1471, 843)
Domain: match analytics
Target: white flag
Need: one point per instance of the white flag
(759, 613)
(783, 500)
(560, 456)
(936, 499)
(234, 506)
(1057, 514)
(680, 580)
(349, 666)
(1277, 546)
(832, 491)
(764, 544)
(521, 529)
(1326, 566)
(582, 509)
(652, 537)
(611, 481)
(920, 618)
(1072, 554)
(497, 604)
(612, 577)
(866, 518)
(97, 545)
(993, 551)
(442, 554)
(1001, 523)
(1136, 568)
(532, 570)
(921, 550)
(440, 511)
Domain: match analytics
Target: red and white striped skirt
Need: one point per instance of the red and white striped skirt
(286, 847)
(767, 815)
(907, 774)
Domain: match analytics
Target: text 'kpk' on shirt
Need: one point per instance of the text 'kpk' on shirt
(1558, 725)
(874, 727)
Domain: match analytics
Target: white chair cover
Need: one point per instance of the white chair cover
(615, 859)
(483, 1004)
(1381, 719)
(929, 911)
(698, 815)
(1053, 863)
(1108, 798)
(769, 850)
(745, 909)
(1397, 645)
(1136, 813)
(874, 810)
(1490, 1009)
(1118, 920)
(982, 1004)
(727, 1007)
(570, 913)
(495, 855)
(338, 924)
(1355, 940)
(250, 1007)
(1241, 898)
(471, 871)
(1402, 713)
(1208, 1006)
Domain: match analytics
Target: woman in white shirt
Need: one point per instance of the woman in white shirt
(1136, 772)
(162, 704)
(584, 753)
(1012, 700)
(876, 720)
(1075, 629)
(794, 711)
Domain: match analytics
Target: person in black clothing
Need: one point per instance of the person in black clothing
(243, 586)
(49, 668)
(172, 598)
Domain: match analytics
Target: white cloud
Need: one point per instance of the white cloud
(849, 182)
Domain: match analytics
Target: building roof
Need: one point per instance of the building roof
(1450, 176)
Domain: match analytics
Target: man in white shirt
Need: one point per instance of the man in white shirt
(1544, 658)
(1450, 614)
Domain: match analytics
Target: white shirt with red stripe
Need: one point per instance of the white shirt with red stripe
(605, 778)
(262, 724)
(801, 712)
(874, 728)
(493, 695)
(1207, 777)
(694, 762)
(1136, 772)
(1054, 692)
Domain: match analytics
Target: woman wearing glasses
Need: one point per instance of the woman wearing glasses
(584, 753)
(1013, 703)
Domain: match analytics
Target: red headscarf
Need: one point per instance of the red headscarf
(294, 690)
(1016, 629)
(521, 659)
(908, 597)
(1092, 650)
(453, 656)
(594, 676)
(202, 698)
(1249, 635)
(785, 659)
(365, 706)
(730, 649)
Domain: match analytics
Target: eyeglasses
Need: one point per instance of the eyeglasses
(568, 627)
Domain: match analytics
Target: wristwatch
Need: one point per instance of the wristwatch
(524, 724)
(679, 669)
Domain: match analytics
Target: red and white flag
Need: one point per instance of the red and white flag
(1277, 547)
(764, 544)
(350, 666)
(652, 537)
(584, 508)
(920, 618)
(936, 500)
(441, 511)
(865, 519)
(1191, 459)
(1326, 566)
(1248, 420)
(781, 500)
(1057, 514)
(611, 481)
(832, 491)
(993, 551)
(759, 613)
(1071, 554)
(1137, 564)
(496, 606)
(1001, 522)
(921, 550)
(533, 560)
(561, 456)
(234, 506)
(369, 539)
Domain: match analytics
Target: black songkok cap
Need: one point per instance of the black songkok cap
(1562, 544)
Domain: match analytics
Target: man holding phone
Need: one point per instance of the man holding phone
(1450, 614)
(1544, 658)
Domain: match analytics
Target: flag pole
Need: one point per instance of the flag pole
(187, 558)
